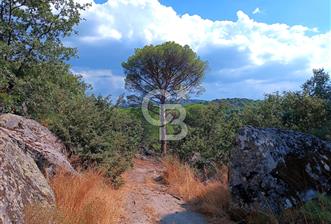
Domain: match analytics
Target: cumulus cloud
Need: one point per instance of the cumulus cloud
(231, 47)
(256, 11)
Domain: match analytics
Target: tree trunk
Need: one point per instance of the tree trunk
(163, 128)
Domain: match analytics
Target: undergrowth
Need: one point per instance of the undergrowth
(80, 199)
(210, 197)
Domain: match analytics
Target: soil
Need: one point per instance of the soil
(147, 200)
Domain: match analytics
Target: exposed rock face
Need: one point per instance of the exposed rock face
(273, 169)
(21, 182)
(29, 154)
(44, 147)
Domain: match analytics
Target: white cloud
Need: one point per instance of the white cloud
(102, 80)
(256, 11)
(252, 44)
(149, 21)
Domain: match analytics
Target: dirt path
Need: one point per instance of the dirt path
(147, 201)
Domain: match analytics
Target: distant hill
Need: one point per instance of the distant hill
(233, 102)
(236, 102)
(193, 101)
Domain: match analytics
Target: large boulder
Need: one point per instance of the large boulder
(273, 169)
(29, 155)
(45, 148)
(21, 182)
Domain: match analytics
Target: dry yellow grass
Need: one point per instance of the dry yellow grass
(84, 199)
(210, 198)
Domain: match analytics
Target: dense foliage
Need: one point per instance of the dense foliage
(36, 82)
(90, 126)
(308, 110)
(31, 30)
(213, 126)
(168, 66)
(212, 129)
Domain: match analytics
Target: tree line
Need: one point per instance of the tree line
(36, 82)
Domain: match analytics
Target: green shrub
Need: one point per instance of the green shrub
(36, 82)
(91, 127)
(211, 133)
(319, 210)
(293, 111)
(308, 110)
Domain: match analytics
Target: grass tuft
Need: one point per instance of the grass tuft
(83, 199)
(211, 198)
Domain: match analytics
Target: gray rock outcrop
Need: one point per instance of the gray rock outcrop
(273, 169)
(42, 145)
(21, 182)
(29, 154)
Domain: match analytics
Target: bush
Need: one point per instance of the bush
(291, 110)
(308, 110)
(319, 210)
(212, 131)
(91, 127)
(36, 82)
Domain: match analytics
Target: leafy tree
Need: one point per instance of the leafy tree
(36, 82)
(31, 30)
(290, 110)
(212, 129)
(319, 85)
(168, 67)
(308, 110)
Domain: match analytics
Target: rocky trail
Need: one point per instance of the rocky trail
(147, 201)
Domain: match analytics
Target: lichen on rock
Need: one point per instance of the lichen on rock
(29, 155)
(42, 145)
(21, 182)
(273, 169)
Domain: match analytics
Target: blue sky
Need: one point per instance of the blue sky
(252, 47)
(311, 13)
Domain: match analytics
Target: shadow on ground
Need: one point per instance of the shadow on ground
(185, 217)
